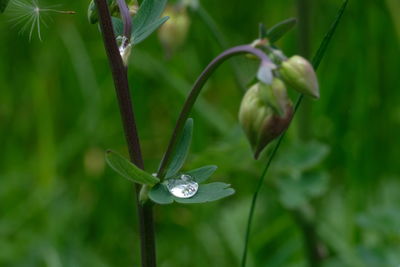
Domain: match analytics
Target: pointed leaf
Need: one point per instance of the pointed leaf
(298, 191)
(128, 170)
(149, 11)
(160, 195)
(208, 193)
(3, 5)
(139, 36)
(262, 31)
(302, 156)
(181, 150)
(280, 29)
(202, 174)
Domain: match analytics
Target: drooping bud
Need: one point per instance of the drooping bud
(259, 117)
(173, 33)
(299, 74)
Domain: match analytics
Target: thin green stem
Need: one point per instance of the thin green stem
(120, 76)
(194, 93)
(316, 62)
(259, 186)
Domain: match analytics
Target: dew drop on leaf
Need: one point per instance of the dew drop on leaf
(183, 187)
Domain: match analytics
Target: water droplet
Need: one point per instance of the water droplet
(183, 187)
(124, 47)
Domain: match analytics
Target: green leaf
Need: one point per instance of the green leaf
(202, 174)
(3, 5)
(262, 31)
(208, 193)
(147, 30)
(147, 19)
(181, 150)
(302, 156)
(280, 29)
(128, 170)
(160, 195)
(298, 191)
(118, 26)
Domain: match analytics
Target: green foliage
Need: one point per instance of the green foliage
(3, 5)
(129, 170)
(59, 206)
(206, 193)
(297, 177)
(297, 191)
(202, 174)
(147, 19)
(279, 30)
(181, 150)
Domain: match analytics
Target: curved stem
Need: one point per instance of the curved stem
(194, 93)
(120, 76)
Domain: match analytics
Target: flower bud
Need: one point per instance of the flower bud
(173, 33)
(259, 118)
(274, 95)
(299, 74)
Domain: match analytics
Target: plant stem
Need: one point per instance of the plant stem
(315, 249)
(259, 186)
(316, 62)
(194, 93)
(120, 76)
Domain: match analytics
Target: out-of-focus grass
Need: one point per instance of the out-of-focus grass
(60, 206)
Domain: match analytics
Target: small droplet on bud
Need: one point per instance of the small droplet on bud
(125, 48)
(299, 74)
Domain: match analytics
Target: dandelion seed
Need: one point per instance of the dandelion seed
(30, 16)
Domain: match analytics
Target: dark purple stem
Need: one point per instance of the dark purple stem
(119, 72)
(194, 93)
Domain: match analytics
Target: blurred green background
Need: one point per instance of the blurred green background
(338, 166)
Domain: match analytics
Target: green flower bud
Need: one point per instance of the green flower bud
(173, 33)
(299, 74)
(258, 117)
(274, 95)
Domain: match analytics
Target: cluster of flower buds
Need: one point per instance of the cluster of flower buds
(266, 110)
(173, 33)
